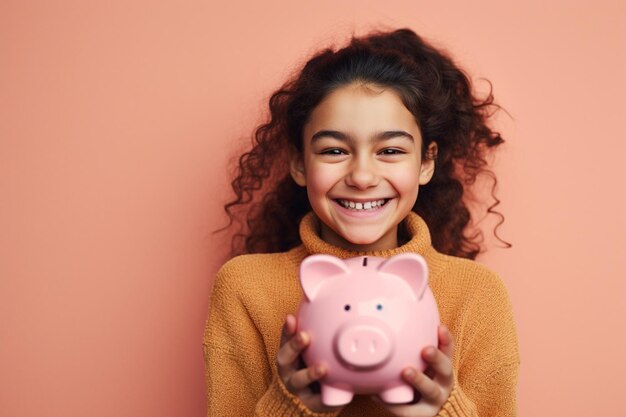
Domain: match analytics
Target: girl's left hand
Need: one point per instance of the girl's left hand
(434, 385)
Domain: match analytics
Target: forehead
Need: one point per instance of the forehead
(361, 109)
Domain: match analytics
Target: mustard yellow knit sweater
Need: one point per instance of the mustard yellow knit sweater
(252, 294)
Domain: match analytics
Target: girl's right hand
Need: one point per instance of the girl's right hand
(296, 380)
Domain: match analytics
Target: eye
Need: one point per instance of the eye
(346, 307)
(391, 151)
(379, 307)
(333, 151)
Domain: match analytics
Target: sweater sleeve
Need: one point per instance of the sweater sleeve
(486, 383)
(239, 379)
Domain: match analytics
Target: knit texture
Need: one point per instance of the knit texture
(253, 294)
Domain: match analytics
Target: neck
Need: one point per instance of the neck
(386, 242)
(412, 236)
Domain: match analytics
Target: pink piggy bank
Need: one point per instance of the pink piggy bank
(368, 318)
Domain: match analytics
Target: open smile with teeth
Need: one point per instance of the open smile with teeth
(363, 205)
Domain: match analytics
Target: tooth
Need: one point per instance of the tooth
(362, 206)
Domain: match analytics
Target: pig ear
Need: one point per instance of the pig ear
(316, 269)
(411, 268)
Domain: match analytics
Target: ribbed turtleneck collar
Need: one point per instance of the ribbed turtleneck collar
(418, 231)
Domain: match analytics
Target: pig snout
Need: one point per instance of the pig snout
(363, 346)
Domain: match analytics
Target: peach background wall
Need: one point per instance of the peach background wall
(117, 122)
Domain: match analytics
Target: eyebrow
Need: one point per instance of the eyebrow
(335, 134)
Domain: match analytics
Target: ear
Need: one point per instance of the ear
(411, 268)
(296, 168)
(316, 269)
(427, 169)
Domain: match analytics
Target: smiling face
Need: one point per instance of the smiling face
(362, 166)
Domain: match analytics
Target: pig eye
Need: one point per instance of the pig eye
(346, 307)
(379, 307)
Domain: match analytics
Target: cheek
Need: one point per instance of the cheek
(406, 182)
(409, 185)
(321, 179)
(409, 192)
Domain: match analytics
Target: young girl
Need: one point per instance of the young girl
(351, 142)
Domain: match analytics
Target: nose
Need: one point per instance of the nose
(363, 346)
(362, 174)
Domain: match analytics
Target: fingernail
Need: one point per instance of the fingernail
(300, 338)
(318, 371)
(409, 373)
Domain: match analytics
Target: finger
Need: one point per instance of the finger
(301, 379)
(289, 329)
(289, 352)
(430, 390)
(446, 341)
(439, 363)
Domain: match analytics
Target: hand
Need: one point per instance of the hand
(434, 385)
(296, 380)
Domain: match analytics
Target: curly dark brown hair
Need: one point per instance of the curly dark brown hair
(435, 90)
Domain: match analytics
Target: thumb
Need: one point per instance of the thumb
(289, 329)
(446, 341)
